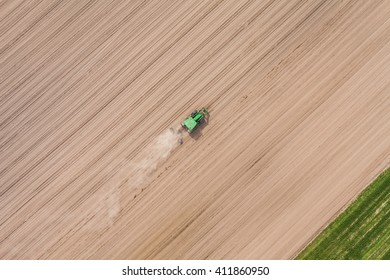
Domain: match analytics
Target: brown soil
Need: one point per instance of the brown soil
(299, 99)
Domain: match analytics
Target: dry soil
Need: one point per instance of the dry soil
(299, 100)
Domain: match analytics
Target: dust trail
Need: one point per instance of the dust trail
(130, 178)
(135, 174)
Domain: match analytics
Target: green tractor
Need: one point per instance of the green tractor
(197, 117)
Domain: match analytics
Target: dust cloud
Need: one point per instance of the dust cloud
(135, 174)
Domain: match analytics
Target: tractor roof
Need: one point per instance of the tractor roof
(190, 123)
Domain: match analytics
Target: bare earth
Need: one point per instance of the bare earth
(299, 99)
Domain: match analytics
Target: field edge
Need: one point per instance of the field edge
(346, 228)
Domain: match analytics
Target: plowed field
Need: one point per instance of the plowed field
(299, 100)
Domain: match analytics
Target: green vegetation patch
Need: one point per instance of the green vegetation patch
(362, 231)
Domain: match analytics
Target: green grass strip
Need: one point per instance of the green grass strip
(362, 231)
